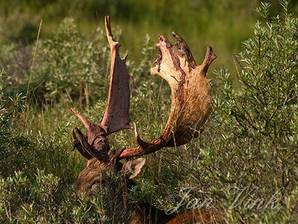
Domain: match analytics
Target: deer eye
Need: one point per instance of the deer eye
(94, 187)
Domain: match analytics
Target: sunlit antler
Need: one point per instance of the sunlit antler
(116, 115)
(190, 94)
(82, 118)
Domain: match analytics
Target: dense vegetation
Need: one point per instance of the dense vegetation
(245, 162)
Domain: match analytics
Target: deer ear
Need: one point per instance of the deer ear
(133, 167)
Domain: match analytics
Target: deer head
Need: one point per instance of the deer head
(190, 95)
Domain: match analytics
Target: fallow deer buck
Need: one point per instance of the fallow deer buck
(190, 94)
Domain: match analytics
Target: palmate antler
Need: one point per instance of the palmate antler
(189, 93)
(116, 115)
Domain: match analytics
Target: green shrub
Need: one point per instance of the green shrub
(68, 66)
(250, 142)
(46, 199)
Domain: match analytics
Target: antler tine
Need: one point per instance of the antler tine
(109, 33)
(209, 58)
(82, 118)
(190, 94)
(184, 49)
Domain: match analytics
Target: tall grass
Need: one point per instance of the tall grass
(249, 143)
